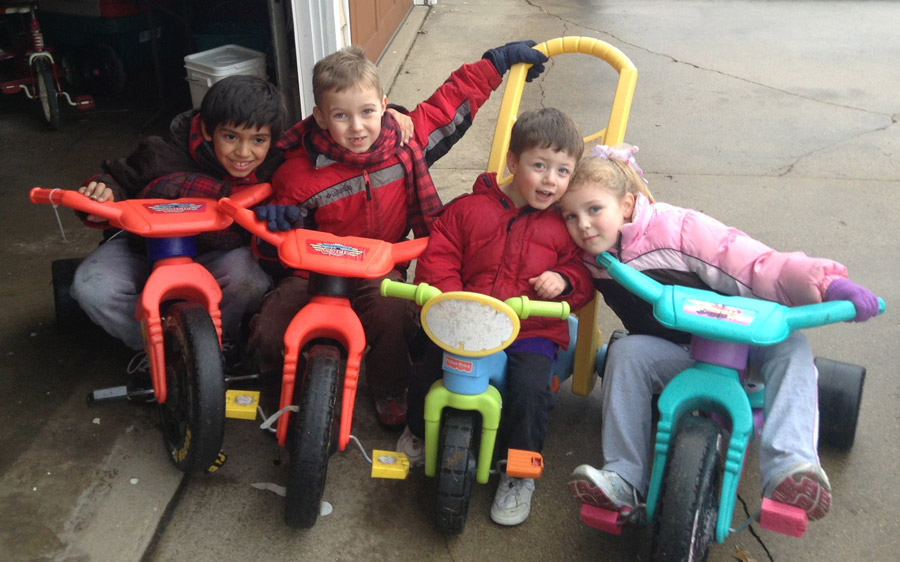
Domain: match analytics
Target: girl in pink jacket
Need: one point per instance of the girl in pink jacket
(609, 208)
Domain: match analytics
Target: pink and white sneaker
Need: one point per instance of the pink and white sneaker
(804, 485)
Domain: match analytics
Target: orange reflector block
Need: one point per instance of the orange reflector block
(524, 464)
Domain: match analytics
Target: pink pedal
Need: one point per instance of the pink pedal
(603, 519)
(84, 102)
(783, 518)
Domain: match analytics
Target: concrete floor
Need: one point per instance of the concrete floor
(779, 118)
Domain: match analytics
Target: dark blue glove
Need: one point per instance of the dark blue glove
(279, 217)
(864, 300)
(514, 53)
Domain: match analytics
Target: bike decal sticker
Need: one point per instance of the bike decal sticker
(166, 208)
(337, 250)
(458, 364)
(718, 311)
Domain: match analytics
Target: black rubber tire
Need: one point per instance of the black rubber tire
(456, 466)
(684, 526)
(311, 438)
(66, 309)
(48, 93)
(193, 416)
(840, 396)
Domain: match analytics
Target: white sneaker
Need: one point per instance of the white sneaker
(512, 502)
(602, 488)
(412, 447)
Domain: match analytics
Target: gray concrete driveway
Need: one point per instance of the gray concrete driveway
(779, 118)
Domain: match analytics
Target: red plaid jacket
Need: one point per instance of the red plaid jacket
(372, 202)
(182, 151)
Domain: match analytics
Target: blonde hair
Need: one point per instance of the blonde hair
(611, 173)
(345, 69)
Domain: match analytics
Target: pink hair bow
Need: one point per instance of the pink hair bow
(621, 152)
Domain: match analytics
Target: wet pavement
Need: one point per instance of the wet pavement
(779, 118)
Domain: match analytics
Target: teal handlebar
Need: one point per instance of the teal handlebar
(721, 317)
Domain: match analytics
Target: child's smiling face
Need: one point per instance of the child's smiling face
(540, 176)
(594, 216)
(240, 149)
(352, 116)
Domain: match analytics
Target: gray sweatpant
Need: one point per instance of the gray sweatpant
(108, 284)
(640, 366)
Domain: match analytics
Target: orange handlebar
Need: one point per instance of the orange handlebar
(74, 200)
(252, 195)
(232, 207)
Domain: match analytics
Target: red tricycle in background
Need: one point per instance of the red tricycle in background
(26, 63)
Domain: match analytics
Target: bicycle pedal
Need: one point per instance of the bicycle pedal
(84, 102)
(241, 404)
(111, 394)
(782, 518)
(389, 464)
(604, 519)
(524, 464)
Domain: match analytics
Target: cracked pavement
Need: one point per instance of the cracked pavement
(779, 118)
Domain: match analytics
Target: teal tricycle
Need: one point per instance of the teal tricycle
(696, 465)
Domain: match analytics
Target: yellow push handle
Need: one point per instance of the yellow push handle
(613, 133)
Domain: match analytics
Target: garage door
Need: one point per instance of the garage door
(374, 22)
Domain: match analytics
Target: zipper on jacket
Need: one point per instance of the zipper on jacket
(371, 211)
(368, 183)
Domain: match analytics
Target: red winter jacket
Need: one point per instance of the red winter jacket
(481, 242)
(350, 201)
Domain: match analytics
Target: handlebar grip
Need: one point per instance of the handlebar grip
(830, 312)
(421, 293)
(525, 307)
(74, 200)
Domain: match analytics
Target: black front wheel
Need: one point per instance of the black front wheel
(311, 436)
(48, 93)
(456, 470)
(193, 416)
(684, 527)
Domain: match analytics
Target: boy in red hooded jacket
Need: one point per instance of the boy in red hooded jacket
(507, 241)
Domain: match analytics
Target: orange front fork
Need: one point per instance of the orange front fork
(323, 317)
(173, 278)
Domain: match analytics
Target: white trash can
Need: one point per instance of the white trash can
(208, 67)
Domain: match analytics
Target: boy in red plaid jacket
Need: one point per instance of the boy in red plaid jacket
(351, 175)
(219, 150)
